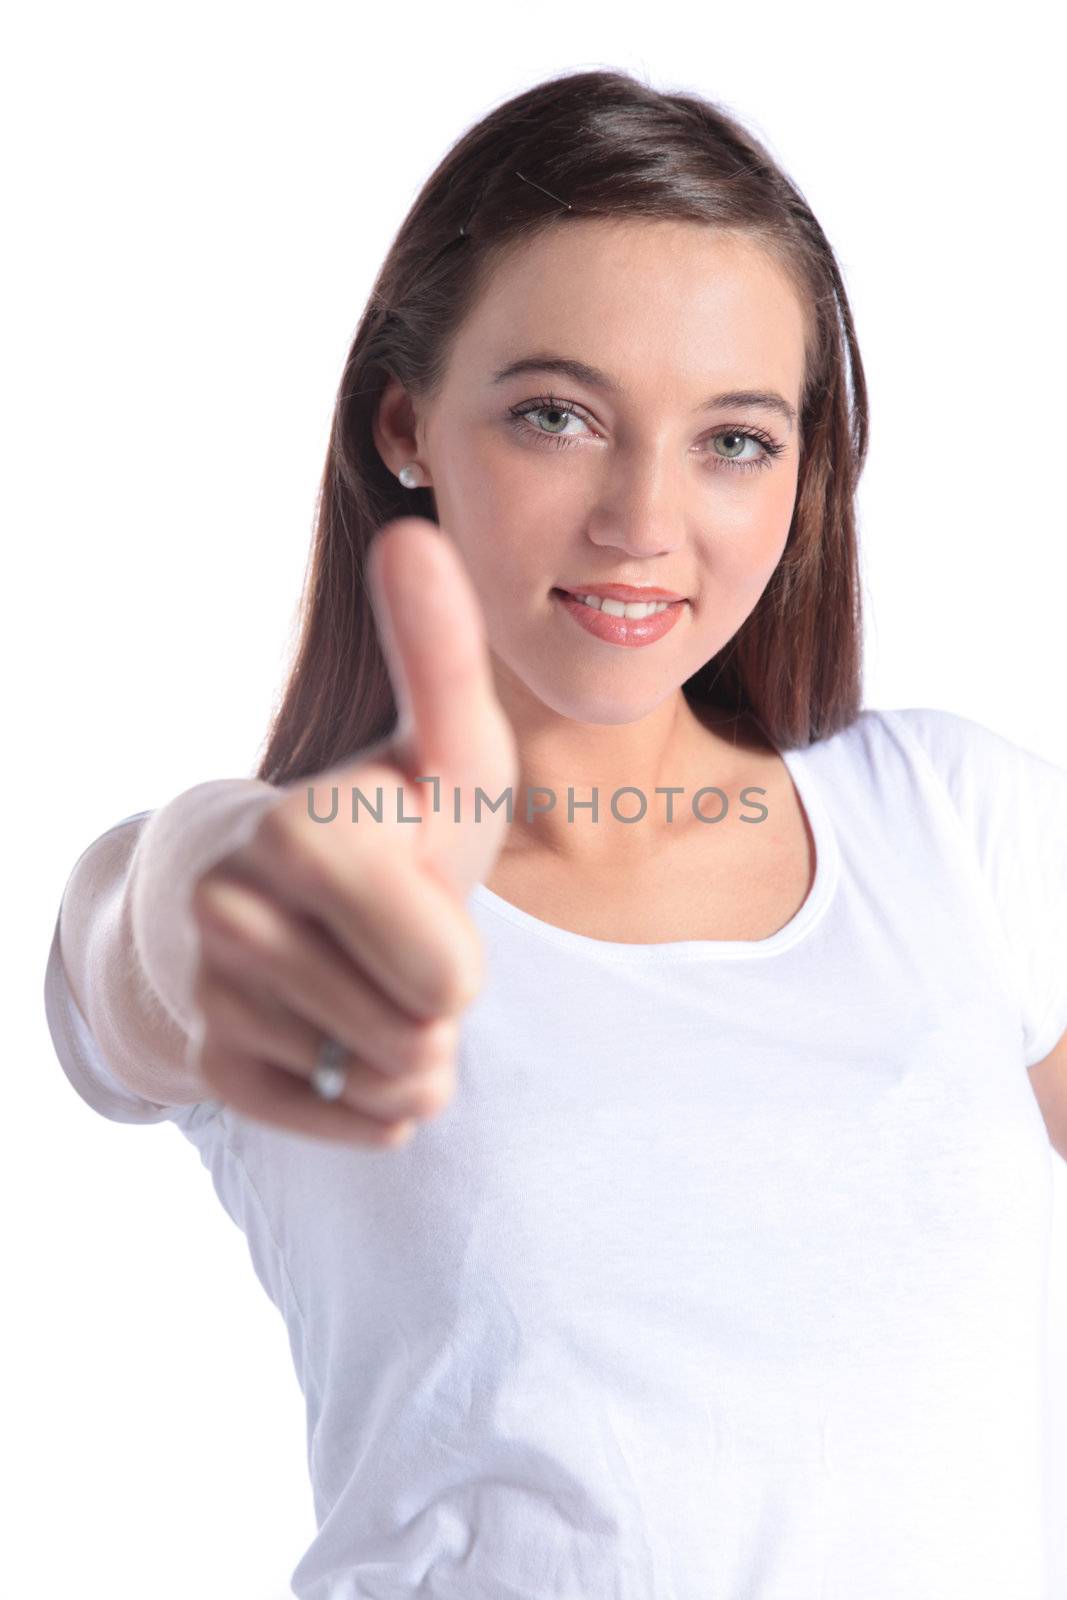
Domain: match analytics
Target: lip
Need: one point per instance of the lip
(619, 591)
(631, 632)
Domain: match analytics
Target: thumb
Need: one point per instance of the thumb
(451, 725)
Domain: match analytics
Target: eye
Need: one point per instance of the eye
(766, 448)
(557, 414)
(553, 409)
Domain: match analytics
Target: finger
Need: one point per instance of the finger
(281, 1099)
(248, 1023)
(252, 939)
(406, 934)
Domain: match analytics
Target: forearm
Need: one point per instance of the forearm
(127, 935)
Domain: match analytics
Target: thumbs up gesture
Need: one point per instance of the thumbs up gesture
(355, 930)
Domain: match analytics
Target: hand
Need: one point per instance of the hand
(357, 930)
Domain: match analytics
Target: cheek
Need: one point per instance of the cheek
(497, 552)
(487, 502)
(749, 536)
(510, 526)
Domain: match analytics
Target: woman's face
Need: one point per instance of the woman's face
(636, 478)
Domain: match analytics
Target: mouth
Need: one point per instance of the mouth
(615, 622)
(620, 600)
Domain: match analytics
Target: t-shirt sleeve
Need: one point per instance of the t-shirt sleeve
(1012, 805)
(80, 1055)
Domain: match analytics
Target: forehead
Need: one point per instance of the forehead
(641, 295)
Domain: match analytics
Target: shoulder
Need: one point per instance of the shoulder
(981, 767)
(947, 735)
(962, 751)
(941, 734)
(920, 761)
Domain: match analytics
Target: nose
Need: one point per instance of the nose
(639, 510)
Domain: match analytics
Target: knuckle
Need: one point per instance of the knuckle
(379, 1100)
(248, 924)
(311, 865)
(266, 943)
(432, 1094)
(297, 847)
(452, 983)
(234, 912)
(210, 901)
(425, 1048)
(387, 1135)
(278, 827)
(213, 1064)
(205, 992)
(469, 988)
(472, 953)
(225, 1019)
(468, 975)
(208, 996)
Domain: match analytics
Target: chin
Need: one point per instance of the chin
(606, 711)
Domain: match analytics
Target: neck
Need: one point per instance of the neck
(562, 762)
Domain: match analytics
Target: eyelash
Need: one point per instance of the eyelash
(546, 402)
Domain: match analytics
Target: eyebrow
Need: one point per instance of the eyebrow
(594, 378)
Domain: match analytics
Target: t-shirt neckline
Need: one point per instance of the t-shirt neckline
(827, 866)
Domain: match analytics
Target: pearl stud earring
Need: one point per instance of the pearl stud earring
(409, 475)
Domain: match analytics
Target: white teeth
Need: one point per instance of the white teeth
(616, 608)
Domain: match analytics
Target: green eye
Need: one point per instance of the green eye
(560, 412)
(546, 406)
(553, 411)
(735, 433)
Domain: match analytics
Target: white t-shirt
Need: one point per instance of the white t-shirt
(723, 1276)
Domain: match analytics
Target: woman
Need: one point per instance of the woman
(646, 1171)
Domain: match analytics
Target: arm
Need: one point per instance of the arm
(127, 937)
(1049, 1079)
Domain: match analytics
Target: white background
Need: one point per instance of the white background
(196, 201)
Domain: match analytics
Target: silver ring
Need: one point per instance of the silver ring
(328, 1075)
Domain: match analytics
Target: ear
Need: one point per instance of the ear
(395, 427)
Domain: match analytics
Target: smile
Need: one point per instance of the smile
(615, 623)
(617, 608)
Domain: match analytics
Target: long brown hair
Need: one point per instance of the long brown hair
(586, 144)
